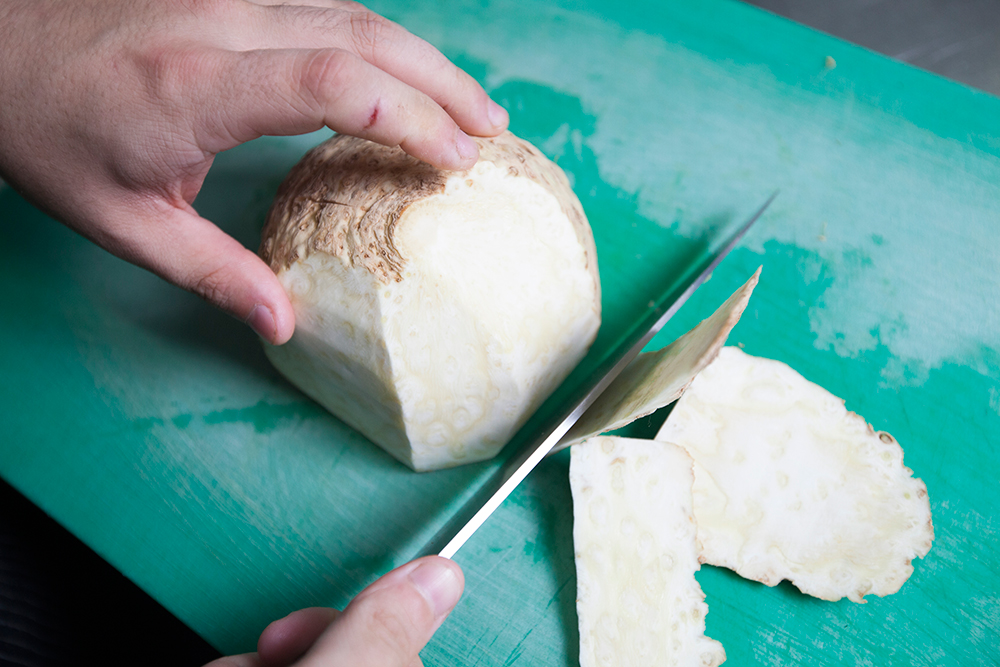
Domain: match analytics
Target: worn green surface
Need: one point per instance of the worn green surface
(153, 428)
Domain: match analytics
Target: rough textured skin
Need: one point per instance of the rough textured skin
(373, 185)
(434, 310)
(344, 199)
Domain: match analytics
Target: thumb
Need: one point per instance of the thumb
(388, 623)
(189, 251)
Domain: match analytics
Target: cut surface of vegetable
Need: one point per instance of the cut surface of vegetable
(435, 310)
(655, 379)
(638, 601)
(790, 485)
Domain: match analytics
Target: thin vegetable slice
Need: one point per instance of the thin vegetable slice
(638, 601)
(790, 485)
(658, 378)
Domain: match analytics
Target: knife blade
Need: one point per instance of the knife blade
(450, 538)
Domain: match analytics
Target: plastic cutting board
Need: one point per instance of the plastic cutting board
(153, 428)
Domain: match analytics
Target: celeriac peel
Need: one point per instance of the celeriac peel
(638, 601)
(658, 378)
(790, 485)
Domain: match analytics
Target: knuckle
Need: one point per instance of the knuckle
(211, 287)
(399, 619)
(169, 72)
(465, 92)
(209, 8)
(369, 33)
(392, 631)
(323, 73)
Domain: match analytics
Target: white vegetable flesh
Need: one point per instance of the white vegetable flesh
(437, 334)
(638, 601)
(658, 378)
(790, 485)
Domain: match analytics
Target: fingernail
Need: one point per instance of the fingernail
(498, 115)
(439, 584)
(466, 147)
(262, 321)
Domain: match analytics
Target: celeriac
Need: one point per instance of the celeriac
(434, 310)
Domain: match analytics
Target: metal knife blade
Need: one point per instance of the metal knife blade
(505, 479)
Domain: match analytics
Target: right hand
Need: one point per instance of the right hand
(386, 625)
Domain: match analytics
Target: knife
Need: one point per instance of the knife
(447, 541)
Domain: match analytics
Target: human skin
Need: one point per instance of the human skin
(384, 626)
(113, 111)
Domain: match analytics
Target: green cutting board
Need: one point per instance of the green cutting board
(153, 428)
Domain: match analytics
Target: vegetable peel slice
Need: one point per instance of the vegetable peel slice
(790, 485)
(638, 601)
(655, 379)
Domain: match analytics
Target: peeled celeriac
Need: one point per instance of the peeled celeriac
(434, 310)
(638, 601)
(790, 485)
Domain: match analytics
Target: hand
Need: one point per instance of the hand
(386, 625)
(112, 113)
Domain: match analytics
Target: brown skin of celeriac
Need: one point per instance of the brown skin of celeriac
(378, 251)
(346, 195)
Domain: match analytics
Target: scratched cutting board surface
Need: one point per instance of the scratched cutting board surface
(153, 428)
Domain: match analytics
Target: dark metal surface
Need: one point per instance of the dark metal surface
(958, 39)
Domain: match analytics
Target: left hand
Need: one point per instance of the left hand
(111, 112)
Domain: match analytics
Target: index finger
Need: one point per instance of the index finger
(391, 48)
(243, 95)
